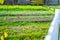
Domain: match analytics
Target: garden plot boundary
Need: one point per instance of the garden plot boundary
(26, 17)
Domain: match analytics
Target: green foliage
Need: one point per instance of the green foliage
(25, 30)
(37, 2)
(1, 1)
(24, 8)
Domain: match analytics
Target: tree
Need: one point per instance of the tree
(1, 1)
(6, 2)
(37, 2)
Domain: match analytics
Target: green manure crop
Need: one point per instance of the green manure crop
(25, 30)
(7, 7)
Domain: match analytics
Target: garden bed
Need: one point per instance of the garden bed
(25, 30)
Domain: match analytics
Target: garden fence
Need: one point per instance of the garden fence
(54, 28)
